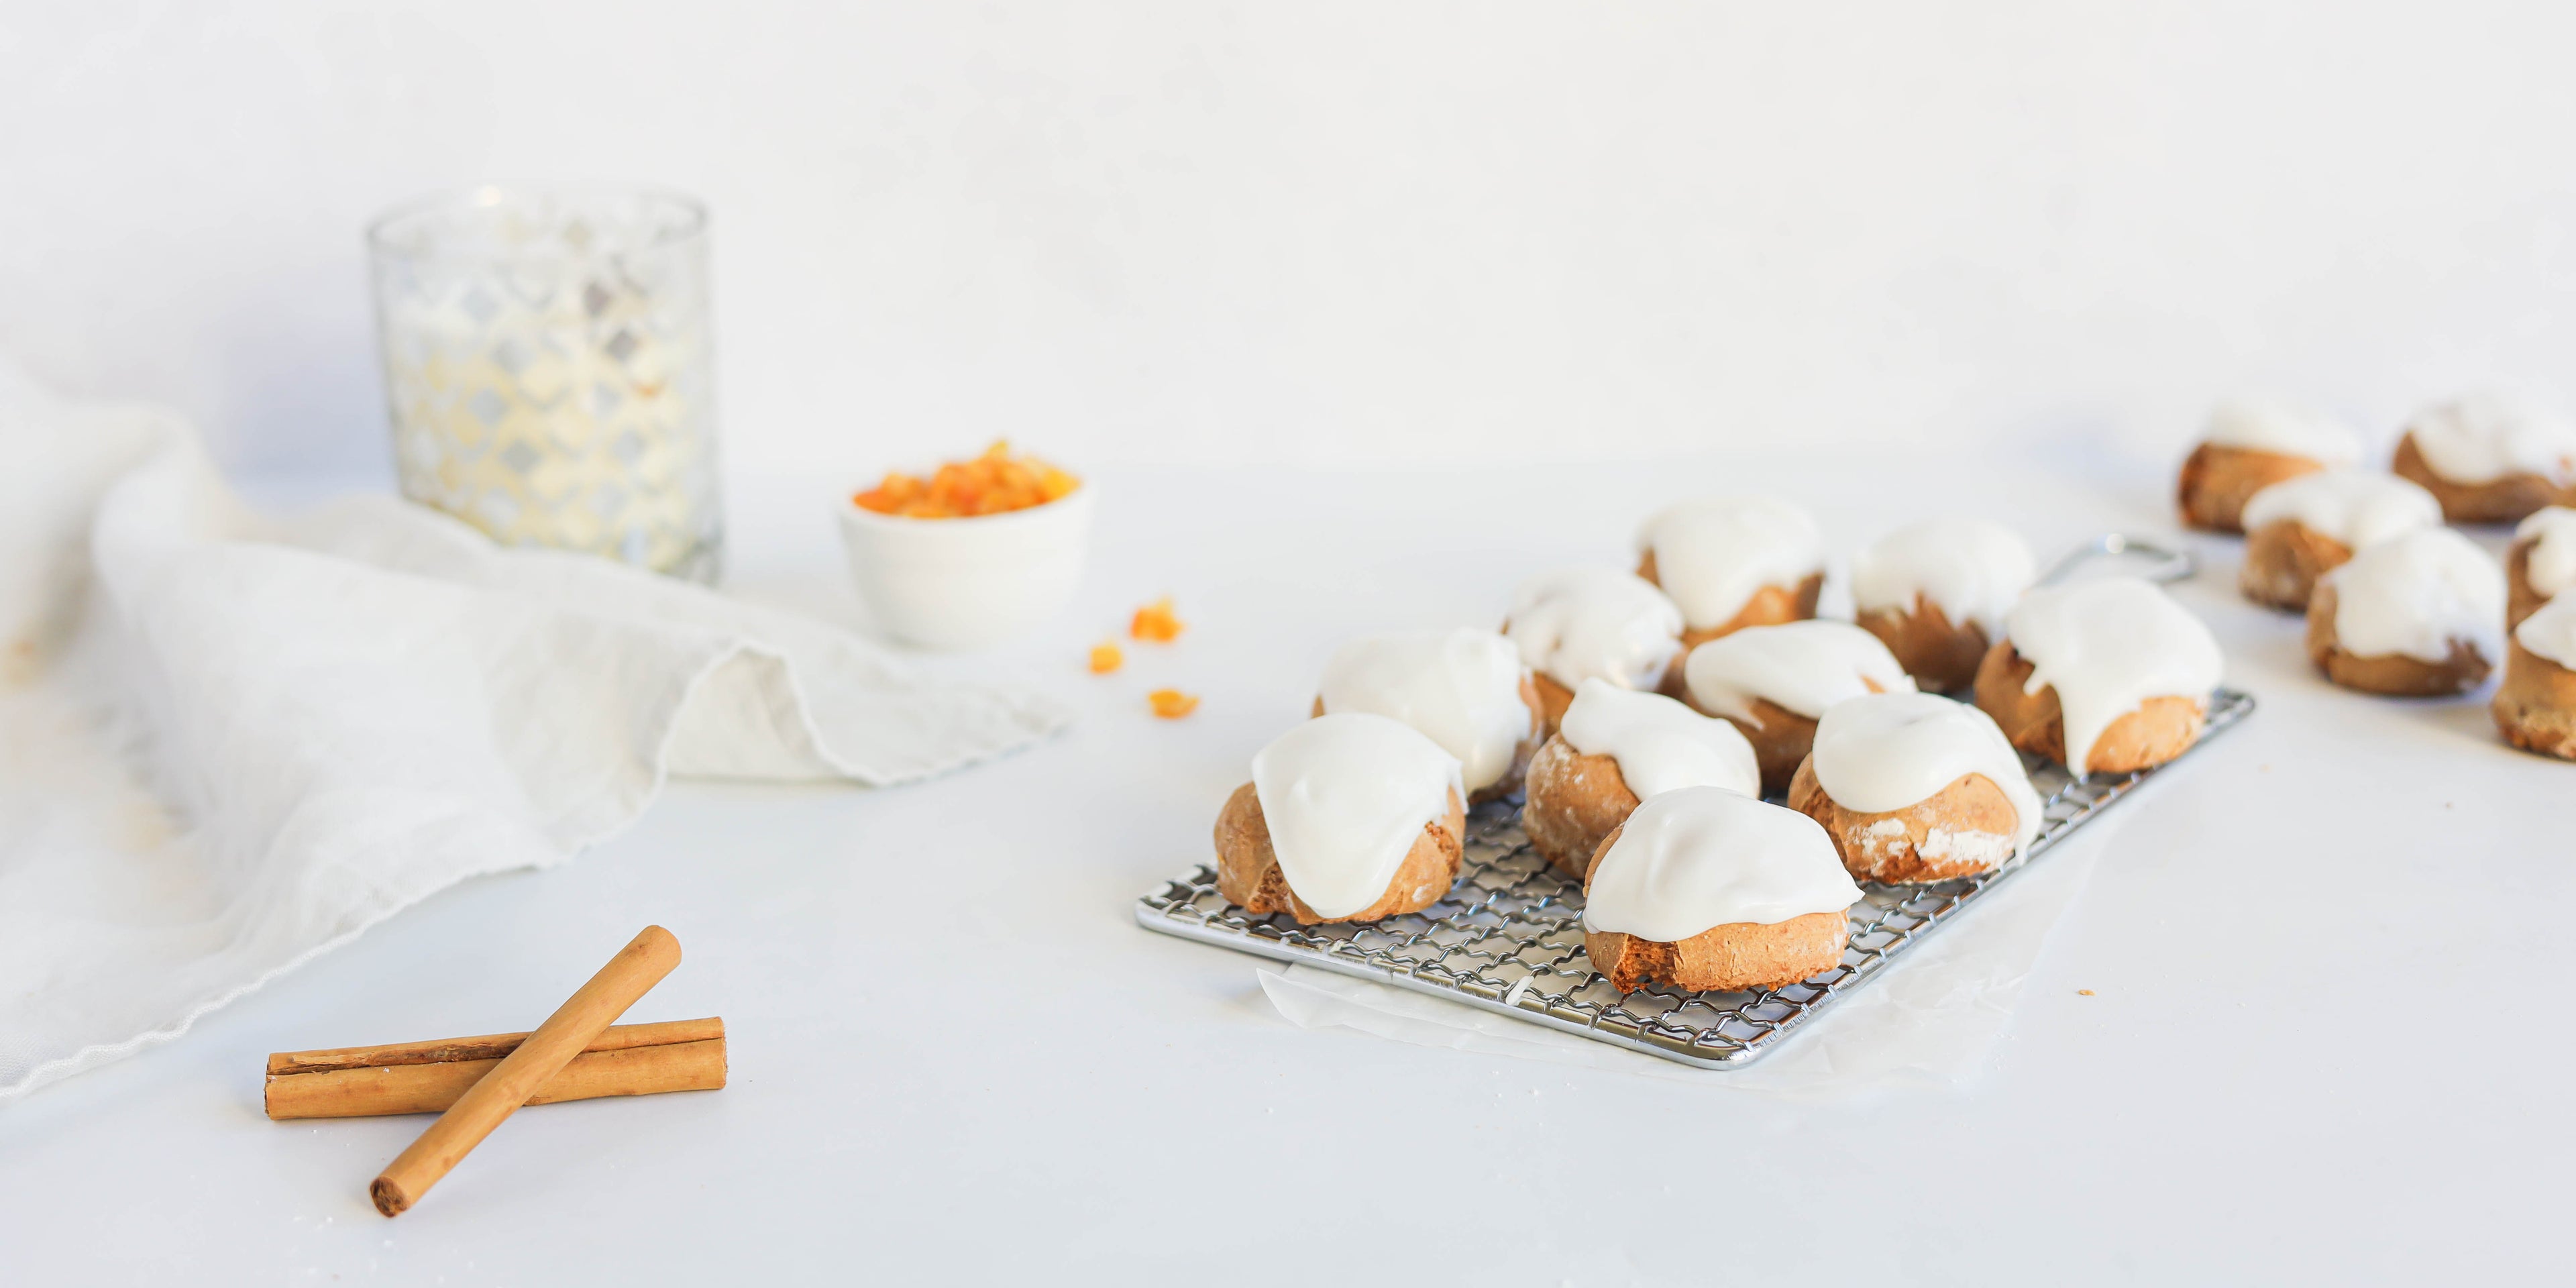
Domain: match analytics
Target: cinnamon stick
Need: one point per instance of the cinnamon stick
(574, 1026)
(490, 1046)
(427, 1077)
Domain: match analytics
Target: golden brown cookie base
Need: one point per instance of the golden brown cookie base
(2393, 675)
(2159, 730)
(1574, 802)
(1553, 699)
(2503, 500)
(2535, 707)
(1941, 655)
(1550, 698)
(2283, 560)
(1247, 870)
(1965, 828)
(2217, 480)
(1732, 958)
(1769, 606)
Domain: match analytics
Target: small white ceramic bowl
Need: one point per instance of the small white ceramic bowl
(968, 583)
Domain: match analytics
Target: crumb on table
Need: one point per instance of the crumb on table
(1156, 622)
(1106, 658)
(1171, 704)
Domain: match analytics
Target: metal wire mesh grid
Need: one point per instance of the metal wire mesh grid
(1509, 936)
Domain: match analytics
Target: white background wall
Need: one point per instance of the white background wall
(1345, 230)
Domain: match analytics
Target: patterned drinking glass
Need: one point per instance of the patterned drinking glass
(548, 367)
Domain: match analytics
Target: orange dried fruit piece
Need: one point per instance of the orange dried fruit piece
(1155, 622)
(993, 483)
(1106, 658)
(1171, 704)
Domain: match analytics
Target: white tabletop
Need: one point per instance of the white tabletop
(2319, 1046)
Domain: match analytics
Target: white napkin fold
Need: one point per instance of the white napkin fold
(233, 742)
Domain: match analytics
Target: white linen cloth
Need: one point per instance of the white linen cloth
(233, 742)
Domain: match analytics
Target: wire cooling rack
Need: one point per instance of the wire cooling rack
(1509, 936)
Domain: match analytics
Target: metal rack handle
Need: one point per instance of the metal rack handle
(2169, 564)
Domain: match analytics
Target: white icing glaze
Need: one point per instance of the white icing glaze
(2108, 645)
(1972, 568)
(2268, 425)
(1702, 857)
(2352, 506)
(1891, 750)
(2484, 437)
(1345, 797)
(1460, 688)
(2551, 565)
(2551, 632)
(1803, 667)
(1592, 623)
(1711, 556)
(2415, 593)
(1660, 744)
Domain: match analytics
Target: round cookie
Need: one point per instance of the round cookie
(2251, 444)
(2416, 615)
(1914, 787)
(2105, 677)
(1616, 748)
(1935, 593)
(1593, 623)
(1774, 682)
(1733, 562)
(1348, 817)
(2541, 564)
(2535, 707)
(2298, 530)
(1709, 890)
(2489, 458)
(1465, 689)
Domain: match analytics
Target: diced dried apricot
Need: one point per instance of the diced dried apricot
(1172, 704)
(1155, 622)
(1106, 658)
(993, 483)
